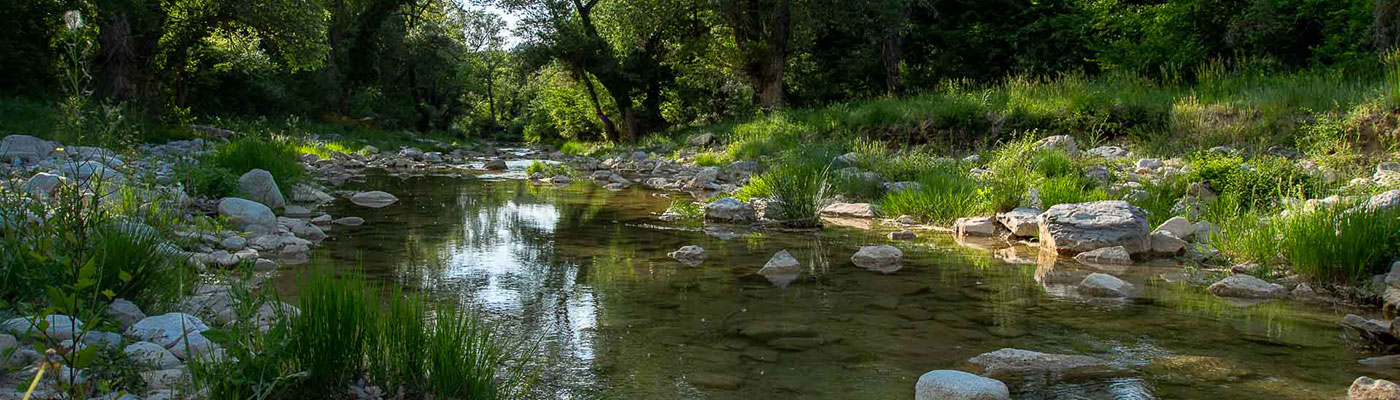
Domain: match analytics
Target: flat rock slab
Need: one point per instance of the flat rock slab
(1020, 364)
(374, 199)
(850, 210)
(1075, 228)
(1247, 287)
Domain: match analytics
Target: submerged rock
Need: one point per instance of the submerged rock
(1247, 287)
(958, 385)
(1075, 228)
(883, 258)
(1116, 255)
(374, 199)
(689, 255)
(1020, 364)
(1105, 285)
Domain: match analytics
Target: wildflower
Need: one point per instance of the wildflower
(73, 19)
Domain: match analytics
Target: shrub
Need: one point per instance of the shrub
(208, 180)
(1052, 163)
(709, 159)
(944, 197)
(1256, 183)
(1067, 190)
(1337, 244)
(275, 156)
(546, 169)
(799, 189)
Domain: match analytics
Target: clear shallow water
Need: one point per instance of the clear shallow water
(583, 272)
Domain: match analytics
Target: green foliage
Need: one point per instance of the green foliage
(799, 190)
(1256, 183)
(709, 159)
(1052, 163)
(689, 210)
(1067, 190)
(344, 331)
(208, 180)
(1337, 244)
(547, 169)
(275, 156)
(945, 196)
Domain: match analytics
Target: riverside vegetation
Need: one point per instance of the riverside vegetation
(163, 165)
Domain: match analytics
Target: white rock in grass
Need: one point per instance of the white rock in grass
(1105, 285)
(1177, 226)
(1247, 287)
(1063, 143)
(850, 210)
(373, 199)
(958, 385)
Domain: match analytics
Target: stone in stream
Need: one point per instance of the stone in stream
(1247, 287)
(975, 227)
(302, 229)
(296, 211)
(258, 185)
(248, 215)
(903, 235)
(349, 221)
(1371, 330)
(234, 243)
(716, 381)
(1031, 365)
(496, 165)
(729, 210)
(768, 330)
(782, 269)
(1116, 255)
(374, 199)
(689, 255)
(1021, 221)
(1366, 388)
(883, 258)
(307, 194)
(1105, 285)
(850, 210)
(1165, 243)
(1075, 228)
(958, 385)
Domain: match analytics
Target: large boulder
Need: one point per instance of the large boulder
(373, 199)
(1365, 388)
(689, 255)
(27, 149)
(124, 312)
(1179, 227)
(1075, 228)
(702, 140)
(958, 385)
(850, 210)
(248, 215)
(883, 258)
(1021, 221)
(43, 185)
(258, 185)
(729, 210)
(1242, 286)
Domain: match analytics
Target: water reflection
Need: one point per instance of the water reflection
(583, 271)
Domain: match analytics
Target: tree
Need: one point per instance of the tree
(762, 29)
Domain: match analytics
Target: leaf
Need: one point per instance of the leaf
(85, 357)
(222, 337)
(109, 293)
(58, 299)
(89, 269)
(124, 276)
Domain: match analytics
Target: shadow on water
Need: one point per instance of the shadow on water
(583, 271)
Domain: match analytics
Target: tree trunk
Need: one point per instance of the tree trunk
(891, 53)
(609, 130)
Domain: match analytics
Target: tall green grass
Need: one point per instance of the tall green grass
(1337, 244)
(346, 331)
(276, 156)
(944, 197)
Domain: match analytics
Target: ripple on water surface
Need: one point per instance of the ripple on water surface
(583, 271)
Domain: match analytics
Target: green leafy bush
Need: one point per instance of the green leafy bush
(1256, 183)
(208, 180)
(272, 155)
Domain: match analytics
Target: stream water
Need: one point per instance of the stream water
(583, 272)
